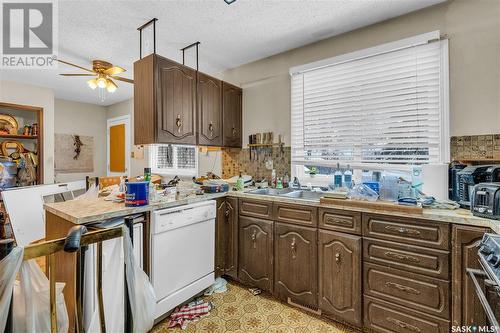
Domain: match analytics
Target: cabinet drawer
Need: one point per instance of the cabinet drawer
(383, 317)
(407, 230)
(411, 258)
(297, 214)
(256, 208)
(410, 290)
(340, 220)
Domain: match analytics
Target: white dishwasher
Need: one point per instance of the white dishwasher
(182, 253)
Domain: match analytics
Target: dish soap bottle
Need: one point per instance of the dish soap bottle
(348, 177)
(273, 178)
(239, 183)
(337, 177)
(279, 184)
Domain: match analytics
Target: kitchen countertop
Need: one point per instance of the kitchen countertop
(86, 211)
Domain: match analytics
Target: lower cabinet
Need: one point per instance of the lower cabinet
(295, 260)
(466, 307)
(226, 238)
(255, 265)
(340, 288)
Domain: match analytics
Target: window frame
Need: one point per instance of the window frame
(175, 170)
(444, 145)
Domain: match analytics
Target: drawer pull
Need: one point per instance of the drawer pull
(402, 324)
(403, 257)
(402, 231)
(400, 287)
(336, 220)
(254, 239)
(293, 248)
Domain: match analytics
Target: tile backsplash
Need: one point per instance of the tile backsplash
(235, 160)
(475, 147)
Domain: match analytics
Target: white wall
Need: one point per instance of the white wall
(473, 28)
(83, 119)
(18, 93)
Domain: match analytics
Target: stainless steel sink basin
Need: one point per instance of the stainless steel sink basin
(271, 191)
(306, 195)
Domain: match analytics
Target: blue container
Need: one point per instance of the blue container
(374, 186)
(136, 194)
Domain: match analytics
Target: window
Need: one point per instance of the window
(173, 160)
(381, 108)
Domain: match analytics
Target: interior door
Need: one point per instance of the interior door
(118, 146)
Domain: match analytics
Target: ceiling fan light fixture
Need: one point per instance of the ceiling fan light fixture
(92, 83)
(101, 82)
(110, 86)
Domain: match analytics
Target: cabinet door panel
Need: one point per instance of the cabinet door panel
(209, 110)
(256, 252)
(176, 102)
(296, 264)
(231, 252)
(466, 307)
(340, 276)
(232, 109)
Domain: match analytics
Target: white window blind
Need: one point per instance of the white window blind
(173, 160)
(388, 108)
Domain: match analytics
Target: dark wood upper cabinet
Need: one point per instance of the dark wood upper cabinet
(295, 260)
(340, 276)
(209, 110)
(164, 101)
(175, 104)
(255, 265)
(232, 113)
(466, 307)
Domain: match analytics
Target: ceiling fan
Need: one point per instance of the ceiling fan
(103, 73)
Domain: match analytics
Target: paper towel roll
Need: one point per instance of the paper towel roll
(435, 179)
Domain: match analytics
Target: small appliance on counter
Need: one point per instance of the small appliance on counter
(485, 200)
(467, 178)
(493, 174)
(453, 180)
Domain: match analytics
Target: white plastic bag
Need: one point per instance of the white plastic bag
(9, 266)
(112, 285)
(32, 302)
(140, 291)
(92, 193)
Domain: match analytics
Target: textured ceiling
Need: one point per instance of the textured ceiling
(230, 35)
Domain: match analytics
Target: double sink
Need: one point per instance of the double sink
(289, 193)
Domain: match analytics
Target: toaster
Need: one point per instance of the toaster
(485, 200)
(467, 178)
(493, 174)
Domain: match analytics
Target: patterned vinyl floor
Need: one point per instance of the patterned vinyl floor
(239, 311)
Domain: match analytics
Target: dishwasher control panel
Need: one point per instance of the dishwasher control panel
(178, 217)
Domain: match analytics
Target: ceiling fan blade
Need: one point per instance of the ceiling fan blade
(77, 74)
(119, 78)
(68, 63)
(114, 70)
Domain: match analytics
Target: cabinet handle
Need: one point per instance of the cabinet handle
(402, 231)
(337, 258)
(400, 287)
(336, 220)
(293, 248)
(211, 127)
(402, 324)
(178, 123)
(228, 212)
(403, 257)
(234, 131)
(254, 239)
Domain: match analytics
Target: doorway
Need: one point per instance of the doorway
(118, 146)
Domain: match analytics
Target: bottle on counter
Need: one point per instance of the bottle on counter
(279, 183)
(337, 177)
(273, 178)
(348, 177)
(147, 174)
(239, 183)
(286, 180)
